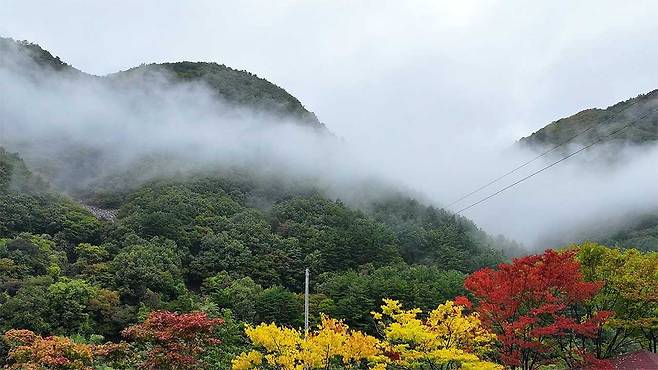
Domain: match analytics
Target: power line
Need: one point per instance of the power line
(538, 156)
(556, 162)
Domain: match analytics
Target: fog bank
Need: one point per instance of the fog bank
(115, 125)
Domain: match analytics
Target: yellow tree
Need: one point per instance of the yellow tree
(446, 338)
(630, 291)
(332, 345)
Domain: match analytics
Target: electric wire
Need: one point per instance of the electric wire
(524, 164)
(556, 162)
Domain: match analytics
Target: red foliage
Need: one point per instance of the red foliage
(119, 355)
(177, 340)
(590, 362)
(533, 305)
(393, 355)
(463, 301)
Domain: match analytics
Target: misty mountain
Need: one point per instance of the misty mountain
(212, 176)
(238, 87)
(235, 86)
(123, 121)
(635, 228)
(604, 122)
(104, 161)
(34, 52)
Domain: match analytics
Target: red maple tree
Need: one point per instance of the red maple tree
(534, 306)
(174, 341)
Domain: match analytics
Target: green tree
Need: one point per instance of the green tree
(29, 308)
(219, 252)
(238, 295)
(153, 265)
(630, 291)
(280, 305)
(355, 294)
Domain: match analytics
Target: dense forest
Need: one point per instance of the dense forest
(203, 266)
(231, 245)
(172, 240)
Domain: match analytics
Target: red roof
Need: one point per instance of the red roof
(640, 360)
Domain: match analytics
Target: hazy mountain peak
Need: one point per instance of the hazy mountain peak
(34, 52)
(643, 109)
(238, 87)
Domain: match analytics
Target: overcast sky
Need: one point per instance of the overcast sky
(407, 76)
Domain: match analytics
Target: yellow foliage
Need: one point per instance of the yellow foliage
(248, 360)
(331, 343)
(447, 337)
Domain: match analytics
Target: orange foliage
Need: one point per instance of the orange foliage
(30, 351)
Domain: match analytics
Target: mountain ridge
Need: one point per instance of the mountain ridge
(594, 124)
(603, 121)
(236, 86)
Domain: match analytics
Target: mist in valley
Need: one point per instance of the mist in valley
(432, 109)
(80, 131)
(328, 185)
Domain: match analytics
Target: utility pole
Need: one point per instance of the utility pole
(306, 305)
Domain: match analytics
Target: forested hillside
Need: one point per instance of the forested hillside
(642, 233)
(174, 239)
(626, 128)
(643, 108)
(239, 87)
(184, 236)
(235, 86)
(119, 252)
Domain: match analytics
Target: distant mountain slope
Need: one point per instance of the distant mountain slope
(235, 86)
(35, 52)
(27, 204)
(238, 87)
(606, 120)
(642, 234)
(178, 208)
(639, 230)
(633, 230)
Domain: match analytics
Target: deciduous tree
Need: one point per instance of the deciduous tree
(535, 307)
(447, 338)
(175, 341)
(332, 346)
(31, 351)
(630, 290)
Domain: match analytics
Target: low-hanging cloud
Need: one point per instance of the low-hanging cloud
(120, 122)
(581, 198)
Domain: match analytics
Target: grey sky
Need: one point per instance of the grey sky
(422, 82)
